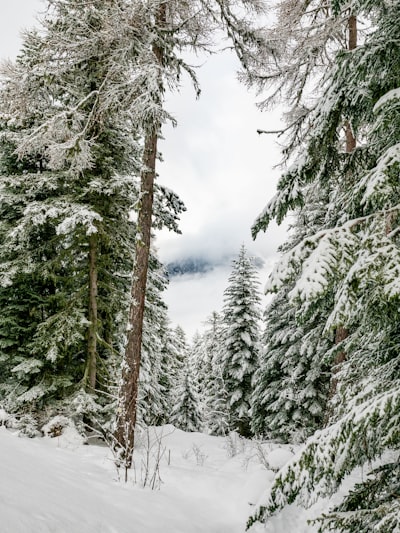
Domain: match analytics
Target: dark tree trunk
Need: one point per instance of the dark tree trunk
(128, 393)
(126, 416)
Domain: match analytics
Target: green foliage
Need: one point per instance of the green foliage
(371, 505)
(69, 154)
(344, 271)
(241, 319)
(291, 384)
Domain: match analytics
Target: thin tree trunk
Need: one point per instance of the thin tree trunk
(91, 366)
(128, 393)
(126, 415)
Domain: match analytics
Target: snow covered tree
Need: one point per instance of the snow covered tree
(291, 384)
(241, 319)
(304, 38)
(71, 230)
(167, 30)
(151, 405)
(67, 235)
(356, 258)
(186, 413)
(212, 389)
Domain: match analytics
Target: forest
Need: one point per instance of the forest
(86, 341)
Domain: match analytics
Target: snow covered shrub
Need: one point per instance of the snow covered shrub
(64, 429)
(4, 416)
(27, 426)
(56, 426)
(87, 413)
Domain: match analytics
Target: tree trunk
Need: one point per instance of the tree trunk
(91, 365)
(128, 392)
(126, 415)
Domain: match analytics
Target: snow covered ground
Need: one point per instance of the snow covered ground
(204, 484)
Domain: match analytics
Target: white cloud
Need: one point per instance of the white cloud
(225, 173)
(222, 169)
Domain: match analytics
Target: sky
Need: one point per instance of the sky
(215, 161)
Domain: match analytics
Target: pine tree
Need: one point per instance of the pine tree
(67, 235)
(70, 207)
(213, 391)
(186, 413)
(151, 408)
(291, 384)
(241, 319)
(357, 259)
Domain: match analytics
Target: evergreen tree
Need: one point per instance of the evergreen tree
(151, 407)
(241, 319)
(357, 260)
(45, 266)
(68, 230)
(214, 395)
(167, 29)
(291, 384)
(186, 414)
(67, 236)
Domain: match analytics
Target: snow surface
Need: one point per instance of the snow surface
(208, 485)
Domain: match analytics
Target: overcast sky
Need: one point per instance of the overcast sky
(217, 163)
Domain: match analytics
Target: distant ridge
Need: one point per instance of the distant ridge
(189, 266)
(201, 265)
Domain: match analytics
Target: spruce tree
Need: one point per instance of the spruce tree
(69, 156)
(291, 383)
(214, 394)
(291, 386)
(241, 319)
(151, 408)
(357, 260)
(186, 412)
(72, 208)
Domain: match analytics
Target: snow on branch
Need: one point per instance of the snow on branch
(334, 452)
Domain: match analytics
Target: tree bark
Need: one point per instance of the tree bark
(126, 415)
(128, 393)
(91, 365)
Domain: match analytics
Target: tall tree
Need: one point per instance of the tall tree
(59, 95)
(241, 319)
(186, 412)
(357, 259)
(216, 400)
(151, 408)
(69, 111)
(171, 28)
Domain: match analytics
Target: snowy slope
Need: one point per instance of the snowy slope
(208, 485)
